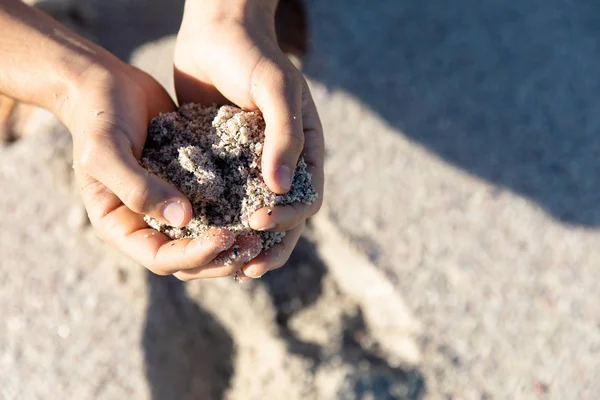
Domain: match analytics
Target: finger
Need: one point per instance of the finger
(281, 218)
(314, 143)
(276, 256)
(278, 94)
(160, 254)
(114, 165)
(245, 248)
(284, 218)
(127, 231)
(170, 256)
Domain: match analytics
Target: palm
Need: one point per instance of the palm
(109, 135)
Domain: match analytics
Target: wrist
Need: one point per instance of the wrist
(254, 15)
(227, 10)
(104, 77)
(82, 78)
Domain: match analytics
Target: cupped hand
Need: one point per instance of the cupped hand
(108, 120)
(238, 60)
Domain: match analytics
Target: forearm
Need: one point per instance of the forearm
(42, 61)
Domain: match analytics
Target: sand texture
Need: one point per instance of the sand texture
(213, 156)
(464, 165)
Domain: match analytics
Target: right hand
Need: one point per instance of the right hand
(108, 119)
(228, 52)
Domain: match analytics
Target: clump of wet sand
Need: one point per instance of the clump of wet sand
(213, 155)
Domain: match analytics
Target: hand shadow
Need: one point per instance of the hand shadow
(298, 286)
(188, 353)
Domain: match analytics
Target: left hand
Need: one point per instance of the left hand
(227, 56)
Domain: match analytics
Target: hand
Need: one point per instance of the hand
(234, 57)
(108, 120)
(107, 105)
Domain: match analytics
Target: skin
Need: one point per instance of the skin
(107, 106)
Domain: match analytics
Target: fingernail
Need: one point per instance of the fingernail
(283, 176)
(174, 213)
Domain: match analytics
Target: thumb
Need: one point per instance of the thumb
(277, 92)
(111, 162)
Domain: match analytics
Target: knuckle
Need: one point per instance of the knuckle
(137, 197)
(93, 144)
(88, 156)
(292, 142)
(296, 140)
(287, 82)
(281, 78)
(91, 189)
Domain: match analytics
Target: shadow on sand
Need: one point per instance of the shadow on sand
(188, 353)
(508, 91)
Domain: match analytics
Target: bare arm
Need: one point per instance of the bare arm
(41, 59)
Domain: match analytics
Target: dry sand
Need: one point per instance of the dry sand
(213, 155)
(492, 295)
(80, 321)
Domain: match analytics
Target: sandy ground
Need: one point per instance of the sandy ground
(456, 258)
(81, 321)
